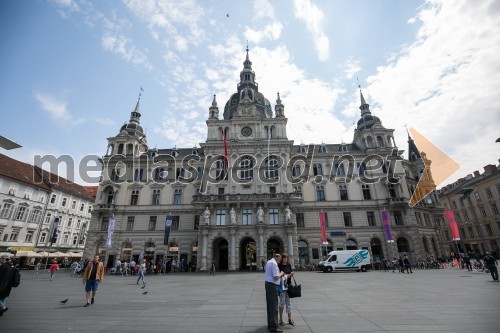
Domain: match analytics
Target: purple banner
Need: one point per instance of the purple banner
(387, 230)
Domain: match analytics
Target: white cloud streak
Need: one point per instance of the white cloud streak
(312, 16)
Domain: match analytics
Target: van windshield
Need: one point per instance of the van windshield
(333, 258)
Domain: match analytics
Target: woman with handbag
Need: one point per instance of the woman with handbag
(284, 299)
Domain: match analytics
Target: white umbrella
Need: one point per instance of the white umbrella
(6, 254)
(30, 254)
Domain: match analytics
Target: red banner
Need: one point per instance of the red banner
(322, 223)
(450, 216)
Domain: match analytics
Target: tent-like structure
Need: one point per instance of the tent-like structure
(29, 254)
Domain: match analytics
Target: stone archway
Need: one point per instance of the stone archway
(274, 245)
(221, 254)
(248, 255)
(350, 244)
(376, 247)
(403, 245)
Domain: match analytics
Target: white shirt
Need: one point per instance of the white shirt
(272, 270)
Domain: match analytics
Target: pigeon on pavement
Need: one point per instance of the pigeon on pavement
(64, 301)
(145, 293)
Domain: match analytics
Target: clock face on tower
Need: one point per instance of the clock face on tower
(246, 131)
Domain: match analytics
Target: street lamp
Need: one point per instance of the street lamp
(466, 192)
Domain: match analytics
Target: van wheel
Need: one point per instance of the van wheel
(363, 268)
(329, 269)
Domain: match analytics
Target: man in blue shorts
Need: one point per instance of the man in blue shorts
(93, 274)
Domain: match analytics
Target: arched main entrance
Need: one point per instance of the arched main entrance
(149, 251)
(220, 254)
(403, 245)
(248, 255)
(376, 247)
(126, 254)
(274, 245)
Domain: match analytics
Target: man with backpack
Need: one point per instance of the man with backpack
(491, 264)
(9, 277)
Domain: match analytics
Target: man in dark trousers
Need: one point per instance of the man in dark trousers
(407, 264)
(5, 278)
(93, 274)
(273, 276)
(491, 264)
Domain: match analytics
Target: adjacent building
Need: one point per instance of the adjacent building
(31, 198)
(475, 201)
(229, 198)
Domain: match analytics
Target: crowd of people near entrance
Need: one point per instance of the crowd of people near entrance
(131, 267)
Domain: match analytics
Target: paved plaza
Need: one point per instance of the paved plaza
(429, 300)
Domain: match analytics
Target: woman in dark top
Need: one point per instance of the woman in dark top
(284, 300)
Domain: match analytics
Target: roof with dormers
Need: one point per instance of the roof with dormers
(34, 176)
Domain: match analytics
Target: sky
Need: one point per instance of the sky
(71, 70)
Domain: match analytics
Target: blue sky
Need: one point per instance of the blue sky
(71, 70)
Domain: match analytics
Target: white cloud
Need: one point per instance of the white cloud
(313, 18)
(270, 32)
(445, 84)
(67, 4)
(352, 68)
(120, 45)
(263, 9)
(56, 108)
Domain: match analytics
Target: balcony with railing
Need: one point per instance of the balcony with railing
(253, 197)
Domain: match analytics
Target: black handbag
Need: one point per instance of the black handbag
(294, 290)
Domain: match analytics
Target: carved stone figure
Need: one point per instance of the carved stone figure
(288, 215)
(206, 216)
(260, 215)
(233, 216)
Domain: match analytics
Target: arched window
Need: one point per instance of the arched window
(317, 169)
(120, 148)
(246, 167)
(380, 141)
(303, 253)
(403, 245)
(271, 165)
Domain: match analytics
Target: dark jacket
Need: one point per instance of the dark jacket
(5, 278)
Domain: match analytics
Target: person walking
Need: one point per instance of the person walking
(93, 274)
(272, 278)
(401, 265)
(284, 299)
(5, 278)
(53, 269)
(37, 267)
(491, 264)
(212, 268)
(407, 264)
(141, 271)
(467, 262)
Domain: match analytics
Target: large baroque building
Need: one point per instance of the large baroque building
(216, 203)
(31, 198)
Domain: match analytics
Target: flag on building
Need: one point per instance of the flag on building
(386, 224)
(111, 228)
(322, 224)
(226, 160)
(53, 236)
(168, 224)
(450, 216)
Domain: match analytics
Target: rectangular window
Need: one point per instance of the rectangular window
(370, 216)
(458, 217)
(462, 234)
(53, 198)
(104, 224)
(21, 213)
(35, 216)
(14, 235)
(478, 196)
(326, 220)
(320, 193)
(196, 222)
(398, 217)
(70, 221)
(482, 211)
(43, 237)
(454, 204)
(220, 191)
(65, 239)
(494, 209)
(130, 223)
(471, 232)
(466, 216)
(134, 198)
(152, 223)
(273, 216)
(178, 197)
(29, 236)
(272, 190)
(73, 205)
(156, 197)
(175, 223)
(220, 217)
(347, 219)
(82, 207)
(64, 202)
(7, 210)
(90, 209)
(489, 195)
(489, 231)
(246, 217)
(366, 192)
(300, 220)
(315, 253)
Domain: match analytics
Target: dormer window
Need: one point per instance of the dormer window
(195, 152)
(322, 149)
(343, 148)
(302, 149)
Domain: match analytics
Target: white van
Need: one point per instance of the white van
(358, 260)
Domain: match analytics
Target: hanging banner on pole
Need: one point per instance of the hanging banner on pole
(168, 224)
(450, 216)
(386, 224)
(53, 236)
(111, 229)
(322, 224)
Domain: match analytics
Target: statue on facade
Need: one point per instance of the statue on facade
(260, 215)
(288, 215)
(206, 216)
(233, 216)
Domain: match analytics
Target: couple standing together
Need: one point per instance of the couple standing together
(277, 268)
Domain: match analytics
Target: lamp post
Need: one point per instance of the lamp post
(466, 192)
